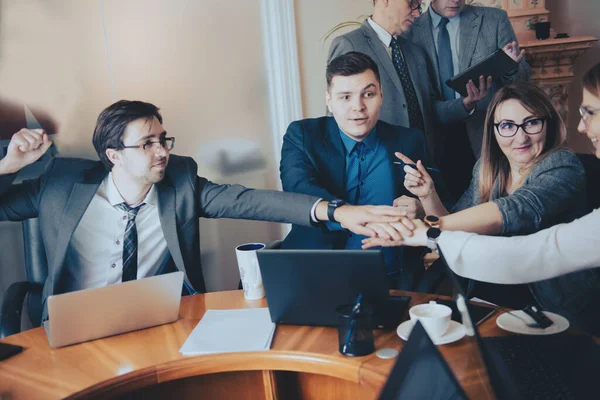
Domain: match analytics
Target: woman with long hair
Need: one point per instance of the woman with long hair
(568, 251)
(525, 180)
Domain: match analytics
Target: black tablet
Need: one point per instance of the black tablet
(495, 65)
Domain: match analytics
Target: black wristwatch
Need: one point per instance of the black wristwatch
(432, 221)
(432, 236)
(331, 206)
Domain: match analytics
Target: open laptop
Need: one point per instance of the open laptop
(421, 372)
(304, 287)
(89, 314)
(519, 366)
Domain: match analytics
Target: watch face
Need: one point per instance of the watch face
(432, 218)
(433, 233)
(337, 202)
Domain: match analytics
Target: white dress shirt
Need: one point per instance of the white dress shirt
(555, 251)
(384, 36)
(94, 256)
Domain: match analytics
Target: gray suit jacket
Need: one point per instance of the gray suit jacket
(483, 30)
(61, 195)
(393, 109)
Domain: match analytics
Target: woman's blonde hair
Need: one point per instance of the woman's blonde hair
(494, 164)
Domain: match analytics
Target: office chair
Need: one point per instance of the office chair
(36, 272)
(274, 245)
(592, 179)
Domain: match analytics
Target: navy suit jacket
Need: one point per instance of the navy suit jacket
(313, 162)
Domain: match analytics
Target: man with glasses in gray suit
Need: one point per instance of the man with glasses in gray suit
(135, 213)
(454, 37)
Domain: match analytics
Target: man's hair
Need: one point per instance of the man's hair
(349, 64)
(112, 122)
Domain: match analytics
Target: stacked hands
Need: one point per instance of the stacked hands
(409, 230)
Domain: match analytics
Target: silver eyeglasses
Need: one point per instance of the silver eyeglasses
(153, 145)
(587, 114)
(530, 127)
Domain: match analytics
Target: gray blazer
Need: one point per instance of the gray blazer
(393, 109)
(483, 30)
(553, 193)
(61, 195)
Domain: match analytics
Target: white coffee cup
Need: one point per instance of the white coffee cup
(249, 270)
(434, 317)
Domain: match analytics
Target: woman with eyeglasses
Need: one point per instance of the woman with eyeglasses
(569, 253)
(525, 180)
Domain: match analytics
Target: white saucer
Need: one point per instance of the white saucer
(512, 324)
(455, 332)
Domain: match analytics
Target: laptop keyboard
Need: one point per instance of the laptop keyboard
(540, 367)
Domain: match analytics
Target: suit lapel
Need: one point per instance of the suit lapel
(336, 155)
(79, 200)
(168, 220)
(470, 24)
(383, 59)
(423, 29)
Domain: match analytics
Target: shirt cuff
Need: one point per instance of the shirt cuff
(313, 211)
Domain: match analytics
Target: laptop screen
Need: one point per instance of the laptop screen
(421, 372)
(501, 387)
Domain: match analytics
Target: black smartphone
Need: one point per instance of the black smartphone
(478, 313)
(9, 350)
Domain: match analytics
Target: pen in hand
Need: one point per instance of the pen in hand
(415, 167)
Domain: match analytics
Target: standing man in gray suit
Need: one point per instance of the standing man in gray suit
(456, 36)
(409, 98)
(135, 213)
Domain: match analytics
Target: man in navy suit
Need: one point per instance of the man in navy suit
(350, 157)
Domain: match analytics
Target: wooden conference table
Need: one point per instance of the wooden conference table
(303, 362)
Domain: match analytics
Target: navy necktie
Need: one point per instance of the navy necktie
(130, 243)
(415, 117)
(445, 63)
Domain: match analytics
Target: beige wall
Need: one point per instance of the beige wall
(200, 61)
(577, 18)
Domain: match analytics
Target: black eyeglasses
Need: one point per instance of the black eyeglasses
(530, 127)
(415, 5)
(587, 114)
(153, 145)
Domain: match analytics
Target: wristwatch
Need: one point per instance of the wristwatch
(432, 221)
(331, 206)
(432, 236)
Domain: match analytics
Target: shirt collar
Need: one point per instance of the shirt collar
(114, 197)
(436, 18)
(382, 34)
(370, 141)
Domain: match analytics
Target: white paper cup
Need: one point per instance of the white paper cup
(434, 317)
(249, 271)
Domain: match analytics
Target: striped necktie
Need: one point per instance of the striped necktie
(130, 243)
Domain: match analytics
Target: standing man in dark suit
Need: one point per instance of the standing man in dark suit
(410, 99)
(456, 36)
(136, 213)
(350, 157)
